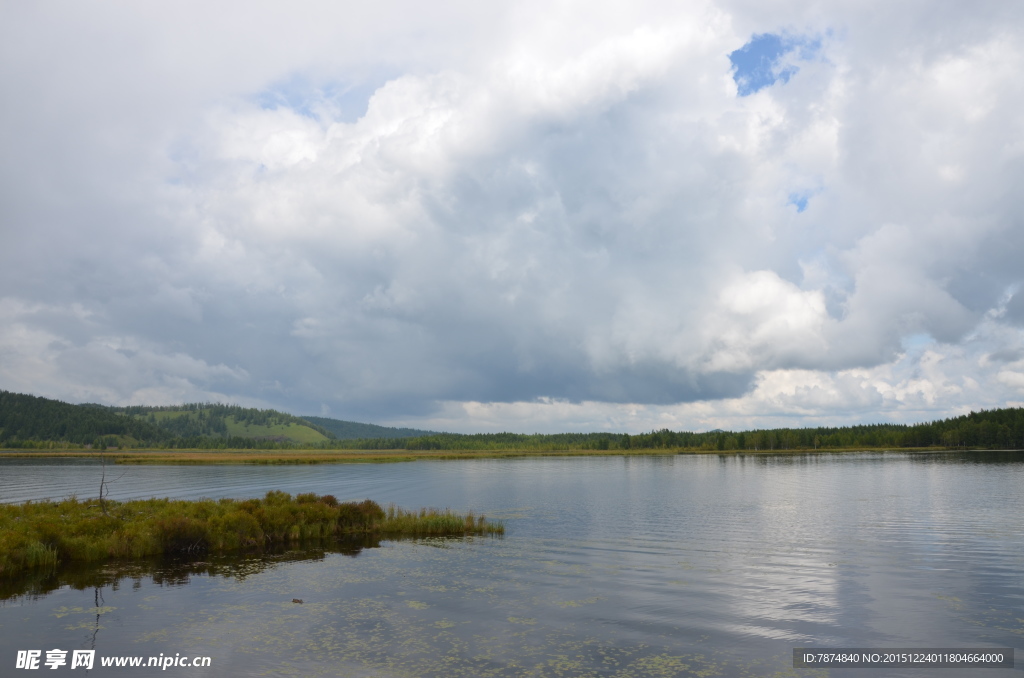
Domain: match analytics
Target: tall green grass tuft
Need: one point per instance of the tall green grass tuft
(433, 522)
(39, 535)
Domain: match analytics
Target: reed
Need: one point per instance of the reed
(42, 535)
(433, 522)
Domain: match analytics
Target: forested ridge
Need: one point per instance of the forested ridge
(203, 420)
(26, 418)
(32, 422)
(350, 430)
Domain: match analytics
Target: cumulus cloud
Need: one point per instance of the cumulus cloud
(517, 216)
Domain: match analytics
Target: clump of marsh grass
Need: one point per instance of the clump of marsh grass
(38, 535)
(434, 522)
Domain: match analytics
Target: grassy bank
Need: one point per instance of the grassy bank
(46, 534)
(311, 456)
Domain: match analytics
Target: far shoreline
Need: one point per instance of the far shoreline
(291, 457)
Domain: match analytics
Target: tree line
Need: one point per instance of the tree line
(40, 423)
(987, 429)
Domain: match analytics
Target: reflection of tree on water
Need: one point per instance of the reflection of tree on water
(170, 572)
(99, 603)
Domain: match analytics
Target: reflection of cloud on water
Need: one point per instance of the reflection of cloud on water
(783, 584)
(853, 547)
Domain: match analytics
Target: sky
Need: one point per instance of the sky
(517, 216)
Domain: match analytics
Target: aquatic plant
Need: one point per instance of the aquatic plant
(40, 535)
(433, 522)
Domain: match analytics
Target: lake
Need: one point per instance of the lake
(710, 565)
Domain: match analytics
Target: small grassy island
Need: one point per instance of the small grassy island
(41, 535)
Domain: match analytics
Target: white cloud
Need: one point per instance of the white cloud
(541, 216)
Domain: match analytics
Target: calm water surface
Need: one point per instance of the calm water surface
(641, 566)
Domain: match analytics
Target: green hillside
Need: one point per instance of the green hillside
(33, 422)
(209, 420)
(350, 430)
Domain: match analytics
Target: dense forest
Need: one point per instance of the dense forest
(350, 430)
(30, 422)
(204, 420)
(29, 419)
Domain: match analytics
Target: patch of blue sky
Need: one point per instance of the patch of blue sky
(916, 342)
(759, 63)
(339, 101)
(799, 200)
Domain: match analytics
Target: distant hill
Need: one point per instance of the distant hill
(350, 430)
(31, 421)
(30, 418)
